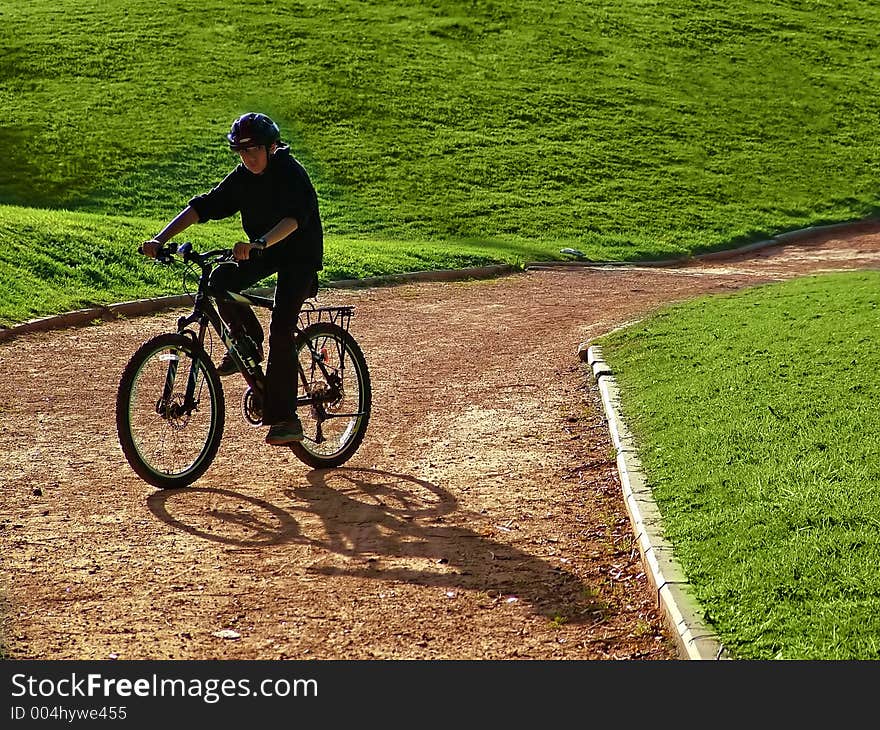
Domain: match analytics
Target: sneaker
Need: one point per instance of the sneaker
(227, 365)
(285, 432)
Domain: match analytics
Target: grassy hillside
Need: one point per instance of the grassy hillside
(626, 128)
(54, 260)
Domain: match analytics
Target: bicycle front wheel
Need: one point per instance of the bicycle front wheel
(170, 411)
(338, 404)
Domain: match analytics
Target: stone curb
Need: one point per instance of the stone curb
(110, 312)
(681, 611)
(139, 307)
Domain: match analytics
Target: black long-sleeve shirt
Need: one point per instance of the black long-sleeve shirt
(284, 190)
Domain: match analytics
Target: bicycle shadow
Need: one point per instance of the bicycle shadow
(395, 525)
(224, 519)
(394, 528)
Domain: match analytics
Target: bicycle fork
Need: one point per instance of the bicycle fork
(166, 407)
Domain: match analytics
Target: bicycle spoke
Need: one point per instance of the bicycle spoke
(335, 396)
(169, 412)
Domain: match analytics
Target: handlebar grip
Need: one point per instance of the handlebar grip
(253, 255)
(164, 255)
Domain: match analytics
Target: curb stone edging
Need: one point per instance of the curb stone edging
(138, 307)
(681, 611)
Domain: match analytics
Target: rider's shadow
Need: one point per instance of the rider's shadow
(388, 527)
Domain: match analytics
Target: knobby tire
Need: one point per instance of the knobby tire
(211, 417)
(357, 374)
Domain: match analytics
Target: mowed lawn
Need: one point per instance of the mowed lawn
(758, 421)
(446, 134)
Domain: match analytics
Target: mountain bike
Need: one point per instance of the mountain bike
(170, 405)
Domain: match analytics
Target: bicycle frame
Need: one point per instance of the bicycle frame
(171, 375)
(205, 313)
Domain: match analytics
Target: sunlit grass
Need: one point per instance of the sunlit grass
(758, 422)
(626, 129)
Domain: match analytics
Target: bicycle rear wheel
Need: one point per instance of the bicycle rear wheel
(336, 422)
(170, 411)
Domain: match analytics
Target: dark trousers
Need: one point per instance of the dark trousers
(294, 286)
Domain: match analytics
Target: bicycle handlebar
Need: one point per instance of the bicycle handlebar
(166, 254)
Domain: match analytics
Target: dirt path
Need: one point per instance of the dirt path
(482, 517)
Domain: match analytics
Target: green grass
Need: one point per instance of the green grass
(473, 131)
(757, 416)
(53, 261)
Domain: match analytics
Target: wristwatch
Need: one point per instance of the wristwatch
(259, 243)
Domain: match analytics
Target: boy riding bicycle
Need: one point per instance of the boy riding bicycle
(280, 217)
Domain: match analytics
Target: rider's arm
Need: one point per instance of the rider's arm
(183, 220)
(281, 230)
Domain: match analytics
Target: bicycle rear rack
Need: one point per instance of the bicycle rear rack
(340, 315)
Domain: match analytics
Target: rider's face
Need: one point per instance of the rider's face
(255, 159)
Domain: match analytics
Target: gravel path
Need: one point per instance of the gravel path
(481, 519)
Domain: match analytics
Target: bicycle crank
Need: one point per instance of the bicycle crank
(252, 407)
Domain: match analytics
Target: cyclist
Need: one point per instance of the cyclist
(280, 217)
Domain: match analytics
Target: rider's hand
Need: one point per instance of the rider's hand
(241, 251)
(151, 248)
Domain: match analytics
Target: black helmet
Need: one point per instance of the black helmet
(252, 130)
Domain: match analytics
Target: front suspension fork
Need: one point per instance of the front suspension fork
(192, 381)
